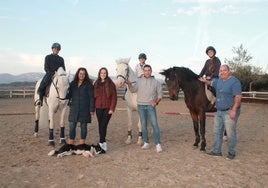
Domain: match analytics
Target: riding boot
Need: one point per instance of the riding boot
(41, 92)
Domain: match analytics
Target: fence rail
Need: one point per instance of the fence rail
(29, 92)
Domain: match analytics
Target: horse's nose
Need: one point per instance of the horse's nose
(120, 84)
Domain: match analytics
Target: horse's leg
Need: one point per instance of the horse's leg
(51, 127)
(129, 136)
(202, 119)
(140, 141)
(62, 127)
(196, 128)
(37, 116)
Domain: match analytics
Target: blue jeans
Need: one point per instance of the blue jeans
(148, 112)
(72, 130)
(223, 121)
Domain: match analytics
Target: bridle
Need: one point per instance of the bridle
(55, 86)
(124, 77)
(176, 86)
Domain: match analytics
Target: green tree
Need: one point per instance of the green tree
(239, 60)
(241, 68)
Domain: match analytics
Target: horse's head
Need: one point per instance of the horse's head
(61, 83)
(122, 71)
(171, 80)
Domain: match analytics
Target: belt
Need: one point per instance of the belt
(224, 109)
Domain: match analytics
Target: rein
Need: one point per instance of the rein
(125, 77)
(55, 86)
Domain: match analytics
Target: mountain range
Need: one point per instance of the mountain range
(6, 78)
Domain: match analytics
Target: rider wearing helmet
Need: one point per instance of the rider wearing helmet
(52, 63)
(139, 67)
(212, 65)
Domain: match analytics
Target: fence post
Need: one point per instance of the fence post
(10, 94)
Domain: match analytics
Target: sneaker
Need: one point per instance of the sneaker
(145, 145)
(158, 148)
(214, 154)
(230, 156)
(103, 146)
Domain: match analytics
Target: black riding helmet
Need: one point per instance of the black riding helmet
(142, 55)
(210, 48)
(56, 45)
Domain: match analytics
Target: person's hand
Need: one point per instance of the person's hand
(232, 114)
(128, 82)
(110, 112)
(202, 79)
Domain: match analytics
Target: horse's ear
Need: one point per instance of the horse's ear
(128, 59)
(162, 72)
(122, 60)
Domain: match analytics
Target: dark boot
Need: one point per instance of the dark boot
(41, 90)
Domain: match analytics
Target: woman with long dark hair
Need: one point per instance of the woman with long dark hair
(82, 104)
(105, 101)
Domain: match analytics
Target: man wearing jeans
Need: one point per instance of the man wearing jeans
(228, 103)
(149, 94)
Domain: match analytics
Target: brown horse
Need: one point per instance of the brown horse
(194, 95)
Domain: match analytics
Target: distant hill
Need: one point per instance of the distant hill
(6, 78)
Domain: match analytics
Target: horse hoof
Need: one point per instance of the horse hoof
(139, 142)
(35, 134)
(195, 147)
(63, 141)
(51, 143)
(129, 140)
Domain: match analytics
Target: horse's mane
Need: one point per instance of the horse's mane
(186, 71)
(60, 71)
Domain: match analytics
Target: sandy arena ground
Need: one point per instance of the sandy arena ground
(24, 161)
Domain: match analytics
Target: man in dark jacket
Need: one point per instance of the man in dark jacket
(52, 63)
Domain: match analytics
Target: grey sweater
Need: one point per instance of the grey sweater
(148, 90)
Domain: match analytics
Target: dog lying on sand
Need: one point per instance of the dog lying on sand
(81, 149)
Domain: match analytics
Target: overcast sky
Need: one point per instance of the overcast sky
(93, 33)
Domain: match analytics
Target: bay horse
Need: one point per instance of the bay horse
(53, 102)
(124, 72)
(195, 98)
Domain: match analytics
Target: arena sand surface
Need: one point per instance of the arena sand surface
(24, 161)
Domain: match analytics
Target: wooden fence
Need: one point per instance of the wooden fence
(29, 92)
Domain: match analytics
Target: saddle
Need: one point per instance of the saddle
(211, 96)
(46, 94)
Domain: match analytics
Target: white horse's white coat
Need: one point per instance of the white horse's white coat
(54, 102)
(124, 72)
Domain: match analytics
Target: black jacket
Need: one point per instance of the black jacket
(52, 63)
(82, 103)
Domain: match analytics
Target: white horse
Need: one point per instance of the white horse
(56, 100)
(124, 72)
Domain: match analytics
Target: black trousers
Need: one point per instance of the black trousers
(47, 79)
(103, 120)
